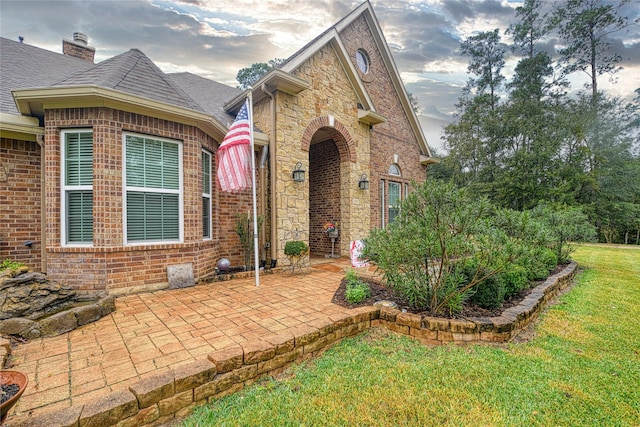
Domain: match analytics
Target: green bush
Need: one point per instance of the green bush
(438, 227)
(514, 279)
(7, 264)
(295, 248)
(356, 289)
(566, 224)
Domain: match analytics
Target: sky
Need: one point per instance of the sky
(214, 38)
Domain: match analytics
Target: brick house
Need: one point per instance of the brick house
(107, 171)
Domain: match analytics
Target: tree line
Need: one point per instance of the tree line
(535, 140)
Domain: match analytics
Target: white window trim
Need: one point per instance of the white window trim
(383, 203)
(209, 195)
(125, 189)
(65, 188)
(389, 206)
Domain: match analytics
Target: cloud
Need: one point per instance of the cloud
(214, 38)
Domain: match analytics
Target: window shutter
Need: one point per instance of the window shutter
(79, 158)
(80, 216)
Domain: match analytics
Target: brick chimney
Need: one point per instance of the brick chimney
(78, 47)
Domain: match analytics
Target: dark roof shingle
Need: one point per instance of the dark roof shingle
(134, 73)
(24, 66)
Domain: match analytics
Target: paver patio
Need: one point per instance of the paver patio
(153, 332)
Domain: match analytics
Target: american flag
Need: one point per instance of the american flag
(234, 154)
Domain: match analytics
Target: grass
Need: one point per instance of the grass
(581, 369)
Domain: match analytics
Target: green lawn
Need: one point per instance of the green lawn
(581, 369)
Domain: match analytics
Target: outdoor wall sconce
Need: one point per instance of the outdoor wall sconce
(363, 184)
(298, 173)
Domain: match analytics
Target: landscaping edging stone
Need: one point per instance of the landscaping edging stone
(161, 398)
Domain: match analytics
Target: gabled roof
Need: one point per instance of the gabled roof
(134, 73)
(331, 37)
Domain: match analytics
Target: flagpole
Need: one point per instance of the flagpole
(253, 190)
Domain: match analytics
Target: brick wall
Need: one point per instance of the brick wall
(20, 202)
(324, 194)
(393, 137)
(109, 264)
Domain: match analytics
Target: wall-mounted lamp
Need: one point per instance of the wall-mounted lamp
(28, 243)
(363, 184)
(298, 173)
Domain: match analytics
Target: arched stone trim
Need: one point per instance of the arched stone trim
(338, 132)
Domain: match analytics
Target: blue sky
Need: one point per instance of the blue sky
(216, 38)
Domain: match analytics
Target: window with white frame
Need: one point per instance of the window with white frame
(206, 194)
(77, 187)
(391, 194)
(153, 188)
(383, 209)
(393, 200)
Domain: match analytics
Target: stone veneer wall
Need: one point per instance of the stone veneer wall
(330, 103)
(20, 202)
(174, 394)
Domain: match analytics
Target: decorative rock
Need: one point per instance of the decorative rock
(385, 303)
(86, 314)
(16, 326)
(59, 323)
(27, 298)
(180, 276)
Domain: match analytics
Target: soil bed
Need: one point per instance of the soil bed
(380, 292)
(7, 391)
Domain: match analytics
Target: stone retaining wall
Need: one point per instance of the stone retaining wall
(159, 399)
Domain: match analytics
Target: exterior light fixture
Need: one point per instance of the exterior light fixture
(363, 184)
(298, 173)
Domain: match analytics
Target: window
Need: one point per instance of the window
(383, 209)
(362, 60)
(394, 170)
(153, 184)
(206, 194)
(77, 187)
(391, 194)
(393, 200)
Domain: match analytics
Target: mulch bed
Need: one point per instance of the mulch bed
(380, 292)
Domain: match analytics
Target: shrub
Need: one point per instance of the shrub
(7, 264)
(356, 290)
(566, 225)
(244, 230)
(295, 248)
(514, 279)
(439, 227)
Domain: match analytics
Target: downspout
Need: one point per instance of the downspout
(43, 205)
(272, 174)
(264, 152)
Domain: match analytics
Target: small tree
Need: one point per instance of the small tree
(249, 75)
(244, 229)
(422, 254)
(566, 225)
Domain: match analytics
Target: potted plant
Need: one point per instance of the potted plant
(12, 385)
(296, 250)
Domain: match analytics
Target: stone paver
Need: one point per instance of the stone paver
(154, 332)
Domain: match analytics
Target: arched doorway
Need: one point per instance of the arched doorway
(324, 193)
(331, 150)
